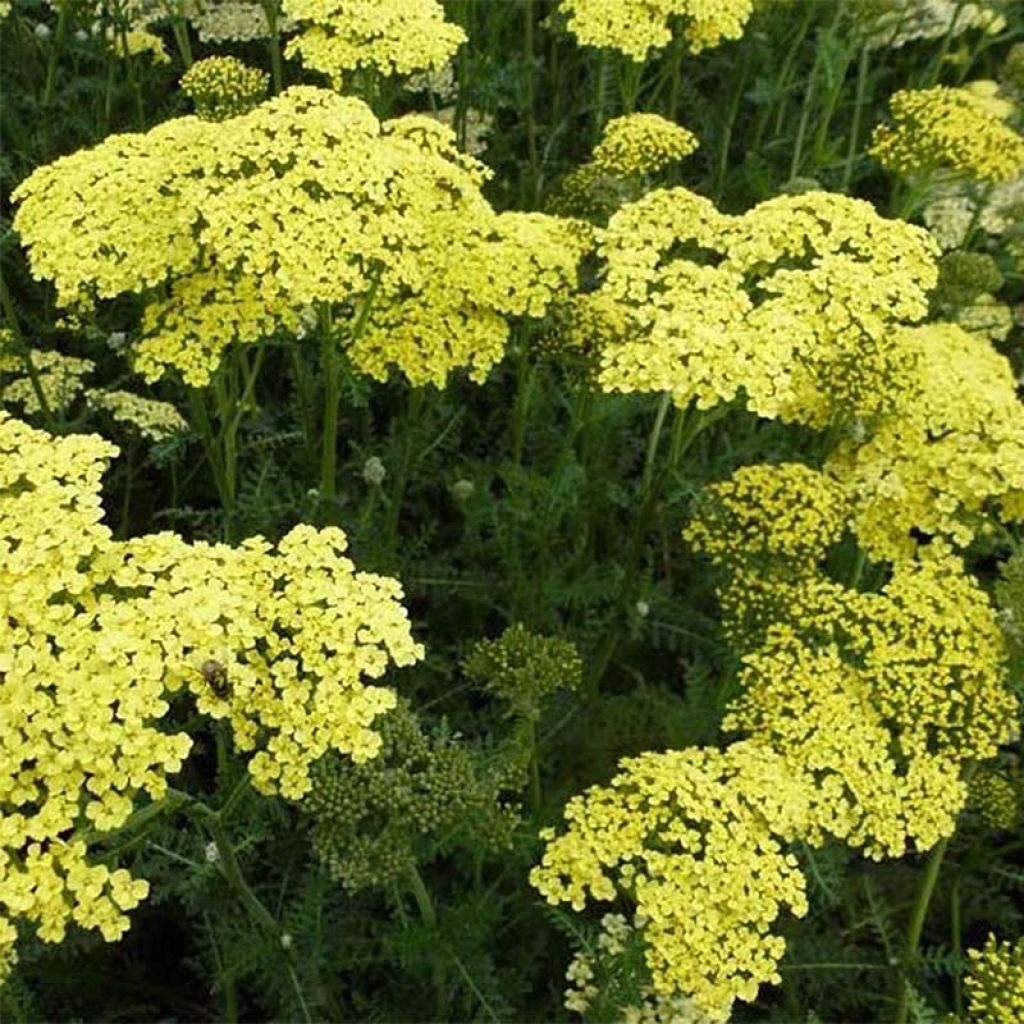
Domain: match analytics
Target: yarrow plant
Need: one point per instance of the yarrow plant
(950, 128)
(390, 36)
(636, 27)
(97, 635)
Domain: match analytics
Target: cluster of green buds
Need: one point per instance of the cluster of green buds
(423, 795)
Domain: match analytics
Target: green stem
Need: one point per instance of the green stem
(422, 897)
(11, 316)
(274, 43)
(925, 891)
(535, 788)
(55, 54)
(956, 930)
(524, 385)
(858, 106)
(529, 69)
(653, 441)
(417, 401)
(723, 151)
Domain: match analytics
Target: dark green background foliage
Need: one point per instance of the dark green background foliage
(399, 889)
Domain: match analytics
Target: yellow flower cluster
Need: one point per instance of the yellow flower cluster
(392, 36)
(635, 27)
(214, 223)
(929, 641)
(697, 838)
(995, 982)
(817, 710)
(786, 511)
(859, 711)
(59, 378)
(136, 41)
(952, 446)
(641, 143)
(80, 693)
(945, 127)
(792, 304)
(222, 87)
(94, 634)
(958, 208)
(152, 418)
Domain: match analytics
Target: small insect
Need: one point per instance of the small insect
(216, 676)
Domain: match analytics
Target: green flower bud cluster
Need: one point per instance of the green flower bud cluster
(223, 87)
(964, 276)
(1010, 600)
(372, 823)
(523, 668)
(995, 795)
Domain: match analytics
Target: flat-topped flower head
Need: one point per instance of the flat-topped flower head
(995, 981)
(641, 144)
(952, 128)
(789, 307)
(636, 27)
(697, 838)
(213, 225)
(391, 36)
(948, 457)
(286, 642)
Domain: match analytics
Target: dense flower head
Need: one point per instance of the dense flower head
(944, 127)
(523, 668)
(951, 449)
(817, 709)
(698, 839)
(369, 822)
(793, 304)
(995, 982)
(222, 87)
(222, 21)
(641, 143)
(929, 639)
(59, 379)
(393, 36)
(995, 795)
(771, 511)
(283, 641)
(635, 27)
(213, 224)
(150, 417)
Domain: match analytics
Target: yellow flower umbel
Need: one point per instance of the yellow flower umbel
(283, 641)
(792, 305)
(884, 697)
(995, 982)
(222, 87)
(36, 377)
(391, 36)
(640, 144)
(635, 27)
(151, 418)
(943, 127)
(950, 449)
(214, 223)
(698, 839)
